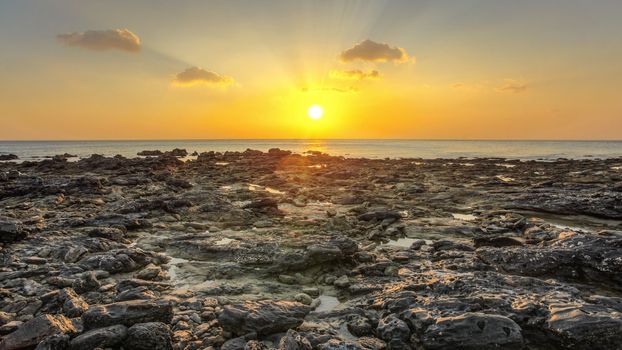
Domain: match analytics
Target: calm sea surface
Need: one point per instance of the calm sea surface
(350, 148)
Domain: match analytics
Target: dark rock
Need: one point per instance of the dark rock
(148, 153)
(34, 331)
(8, 157)
(588, 257)
(496, 241)
(11, 231)
(128, 313)
(106, 337)
(73, 305)
(394, 332)
(262, 317)
(473, 331)
(379, 215)
(54, 342)
(111, 233)
(585, 326)
(148, 336)
(294, 341)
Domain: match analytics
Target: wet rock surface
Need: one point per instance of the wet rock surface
(252, 250)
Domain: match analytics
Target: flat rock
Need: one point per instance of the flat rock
(34, 331)
(128, 313)
(473, 331)
(263, 317)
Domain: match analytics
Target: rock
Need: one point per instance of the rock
(111, 233)
(287, 279)
(294, 341)
(128, 313)
(496, 241)
(177, 152)
(8, 157)
(238, 343)
(73, 304)
(590, 257)
(585, 326)
(303, 298)
(148, 336)
(342, 282)
(359, 326)
(262, 204)
(54, 342)
(263, 317)
(473, 331)
(148, 153)
(394, 332)
(34, 331)
(11, 231)
(106, 337)
(380, 215)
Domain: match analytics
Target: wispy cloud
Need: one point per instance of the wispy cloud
(355, 74)
(200, 76)
(100, 40)
(513, 86)
(350, 89)
(372, 51)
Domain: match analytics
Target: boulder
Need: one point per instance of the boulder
(473, 331)
(106, 337)
(128, 313)
(34, 331)
(148, 336)
(263, 317)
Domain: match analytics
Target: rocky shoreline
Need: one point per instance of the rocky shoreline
(259, 250)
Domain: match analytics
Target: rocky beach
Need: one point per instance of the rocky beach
(276, 250)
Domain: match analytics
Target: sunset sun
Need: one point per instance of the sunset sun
(315, 112)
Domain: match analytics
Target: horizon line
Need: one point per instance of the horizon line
(315, 139)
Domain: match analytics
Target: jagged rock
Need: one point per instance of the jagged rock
(294, 341)
(128, 313)
(73, 304)
(34, 331)
(148, 336)
(473, 331)
(106, 337)
(394, 332)
(263, 317)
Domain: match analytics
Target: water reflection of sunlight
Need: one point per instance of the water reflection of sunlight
(315, 145)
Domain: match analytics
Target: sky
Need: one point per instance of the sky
(438, 69)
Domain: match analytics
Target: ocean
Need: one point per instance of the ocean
(526, 150)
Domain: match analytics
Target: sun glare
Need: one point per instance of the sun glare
(315, 112)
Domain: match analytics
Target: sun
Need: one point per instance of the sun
(315, 112)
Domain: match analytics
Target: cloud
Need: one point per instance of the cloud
(457, 85)
(355, 74)
(513, 86)
(372, 51)
(351, 89)
(99, 40)
(200, 76)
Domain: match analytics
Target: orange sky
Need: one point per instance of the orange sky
(246, 69)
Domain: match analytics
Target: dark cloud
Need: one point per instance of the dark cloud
(119, 39)
(513, 86)
(355, 74)
(374, 52)
(196, 76)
